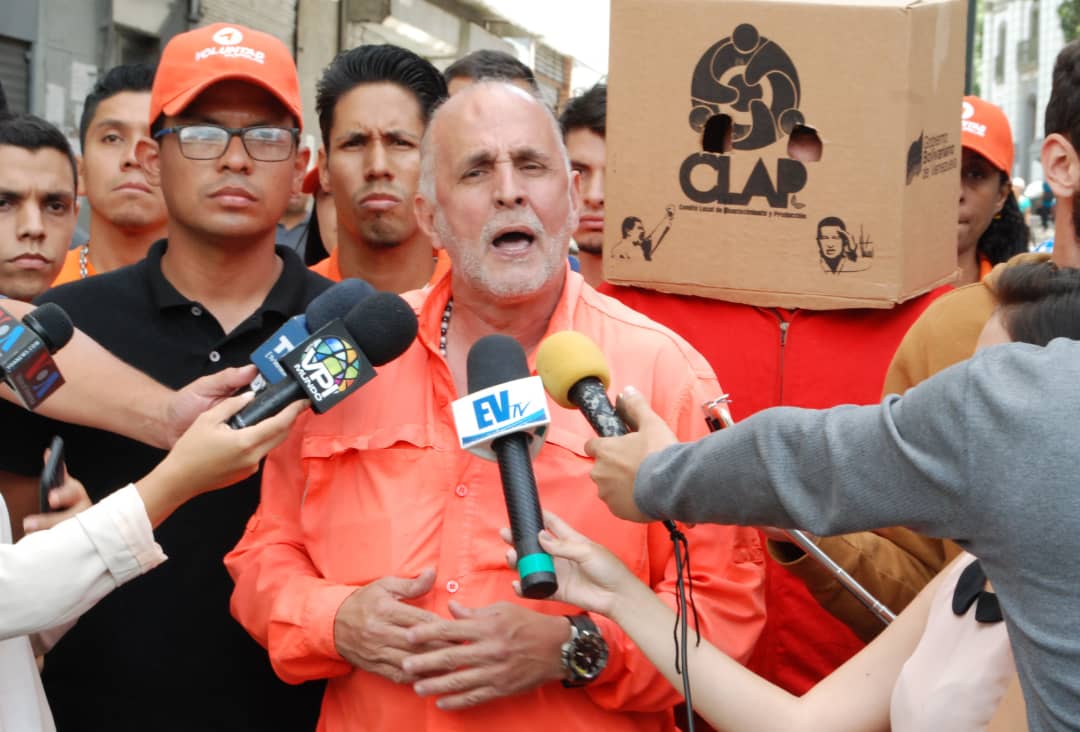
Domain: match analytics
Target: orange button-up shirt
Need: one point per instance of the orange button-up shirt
(378, 486)
(70, 272)
(330, 268)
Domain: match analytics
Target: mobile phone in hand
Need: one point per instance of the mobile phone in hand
(53, 474)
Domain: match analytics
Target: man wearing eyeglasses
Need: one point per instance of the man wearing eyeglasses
(163, 653)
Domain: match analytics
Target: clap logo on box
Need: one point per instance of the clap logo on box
(749, 83)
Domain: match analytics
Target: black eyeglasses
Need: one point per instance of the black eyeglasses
(209, 142)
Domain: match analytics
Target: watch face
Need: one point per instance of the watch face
(588, 656)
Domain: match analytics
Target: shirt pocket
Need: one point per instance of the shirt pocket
(373, 505)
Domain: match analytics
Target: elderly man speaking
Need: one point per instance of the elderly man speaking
(374, 559)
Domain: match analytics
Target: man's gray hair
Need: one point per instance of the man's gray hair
(426, 187)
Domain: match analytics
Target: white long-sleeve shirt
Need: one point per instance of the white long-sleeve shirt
(51, 577)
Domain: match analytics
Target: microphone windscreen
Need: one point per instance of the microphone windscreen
(495, 359)
(51, 324)
(336, 301)
(564, 359)
(383, 326)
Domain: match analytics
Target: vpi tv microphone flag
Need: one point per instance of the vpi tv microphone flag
(25, 363)
(331, 304)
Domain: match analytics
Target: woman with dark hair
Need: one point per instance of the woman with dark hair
(944, 663)
(991, 227)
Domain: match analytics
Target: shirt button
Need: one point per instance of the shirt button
(215, 356)
(462, 490)
(452, 586)
(196, 310)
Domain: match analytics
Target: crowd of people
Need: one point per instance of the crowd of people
(359, 580)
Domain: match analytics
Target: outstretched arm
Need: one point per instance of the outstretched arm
(855, 698)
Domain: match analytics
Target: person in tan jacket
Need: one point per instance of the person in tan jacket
(895, 564)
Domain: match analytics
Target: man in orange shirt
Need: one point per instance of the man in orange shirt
(374, 558)
(127, 212)
(374, 103)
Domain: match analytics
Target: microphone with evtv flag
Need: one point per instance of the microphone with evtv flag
(337, 359)
(25, 363)
(332, 303)
(505, 411)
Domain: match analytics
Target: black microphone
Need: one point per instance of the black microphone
(338, 358)
(25, 363)
(332, 303)
(494, 360)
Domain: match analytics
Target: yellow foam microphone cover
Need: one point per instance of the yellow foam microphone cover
(566, 358)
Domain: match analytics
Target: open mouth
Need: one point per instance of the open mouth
(514, 240)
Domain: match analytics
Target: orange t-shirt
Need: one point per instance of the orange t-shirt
(70, 271)
(331, 269)
(379, 486)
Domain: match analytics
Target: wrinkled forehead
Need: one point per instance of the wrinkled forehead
(493, 118)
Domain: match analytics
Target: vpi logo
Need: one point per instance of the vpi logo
(485, 415)
(329, 366)
(228, 37)
(752, 81)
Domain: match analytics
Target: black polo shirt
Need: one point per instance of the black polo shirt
(163, 653)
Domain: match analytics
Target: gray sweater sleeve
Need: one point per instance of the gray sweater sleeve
(901, 462)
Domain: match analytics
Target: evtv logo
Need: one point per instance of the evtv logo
(496, 408)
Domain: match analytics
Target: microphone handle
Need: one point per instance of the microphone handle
(535, 567)
(267, 403)
(589, 396)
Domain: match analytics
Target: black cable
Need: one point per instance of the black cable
(679, 632)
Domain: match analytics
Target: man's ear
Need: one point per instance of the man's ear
(148, 153)
(80, 176)
(322, 161)
(425, 219)
(1061, 167)
(300, 166)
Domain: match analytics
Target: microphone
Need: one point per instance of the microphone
(332, 303)
(338, 358)
(575, 374)
(497, 369)
(25, 363)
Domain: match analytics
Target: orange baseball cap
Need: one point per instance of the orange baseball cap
(985, 129)
(195, 60)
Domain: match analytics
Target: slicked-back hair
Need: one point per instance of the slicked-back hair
(586, 111)
(491, 65)
(1063, 109)
(122, 78)
(374, 64)
(1039, 302)
(33, 134)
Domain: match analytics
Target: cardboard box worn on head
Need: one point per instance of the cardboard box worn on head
(871, 223)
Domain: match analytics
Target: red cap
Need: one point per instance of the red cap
(311, 180)
(985, 129)
(195, 60)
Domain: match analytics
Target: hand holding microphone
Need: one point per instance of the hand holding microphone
(575, 374)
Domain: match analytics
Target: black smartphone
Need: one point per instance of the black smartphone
(53, 474)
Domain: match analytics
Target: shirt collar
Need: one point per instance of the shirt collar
(286, 297)
(431, 309)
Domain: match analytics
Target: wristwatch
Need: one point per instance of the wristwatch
(585, 654)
